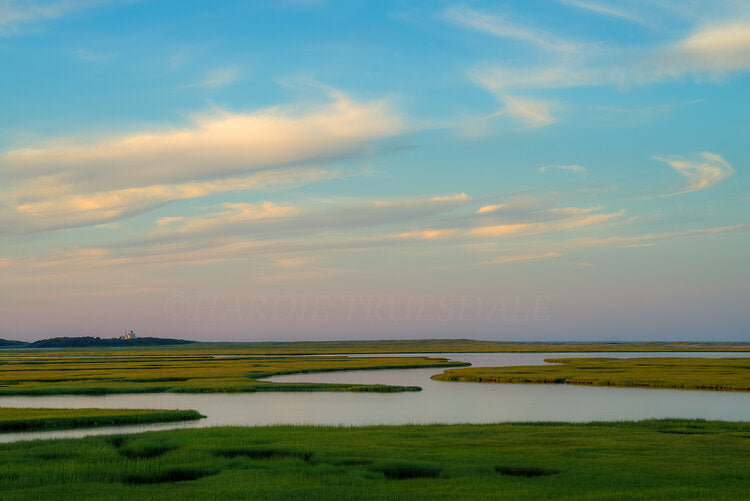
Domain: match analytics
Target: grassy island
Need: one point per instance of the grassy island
(16, 420)
(70, 373)
(729, 374)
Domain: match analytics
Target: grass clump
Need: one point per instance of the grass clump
(523, 471)
(403, 471)
(169, 475)
(263, 454)
(146, 451)
(727, 374)
(28, 419)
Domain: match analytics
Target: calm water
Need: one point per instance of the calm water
(438, 402)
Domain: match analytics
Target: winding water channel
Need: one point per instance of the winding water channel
(438, 402)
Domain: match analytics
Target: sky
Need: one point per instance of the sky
(295, 170)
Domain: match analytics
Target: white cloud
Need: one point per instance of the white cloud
(699, 174)
(92, 180)
(218, 144)
(714, 49)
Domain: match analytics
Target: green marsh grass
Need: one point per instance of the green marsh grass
(33, 419)
(619, 460)
(727, 374)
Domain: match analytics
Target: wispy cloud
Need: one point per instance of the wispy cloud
(521, 257)
(14, 14)
(547, 221)
(713, 51)
(498, 230)
(500, 26)
(93, 57)
(577, 244)
(699, 174)
(570, 222)
(457, 197)
(268, 221)
(606, 10)
(501, 79)
(292, 262)
(219, 77)
(648, 110)
(714, 48)
(577, 169)
(486, 209)
(653, 238)
(44, 204)
(429, 234)
(232, 213)
(300, 275)
(533, 112)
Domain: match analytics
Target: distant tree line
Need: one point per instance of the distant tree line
(90, 341)
(4, 343)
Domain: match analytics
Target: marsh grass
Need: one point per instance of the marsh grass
(520, 471)
(68, 374)
(28, 419)
(618, 460)
(403, 471)
(727, 374)
(263, 453)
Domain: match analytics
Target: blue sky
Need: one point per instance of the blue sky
(519, 170)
